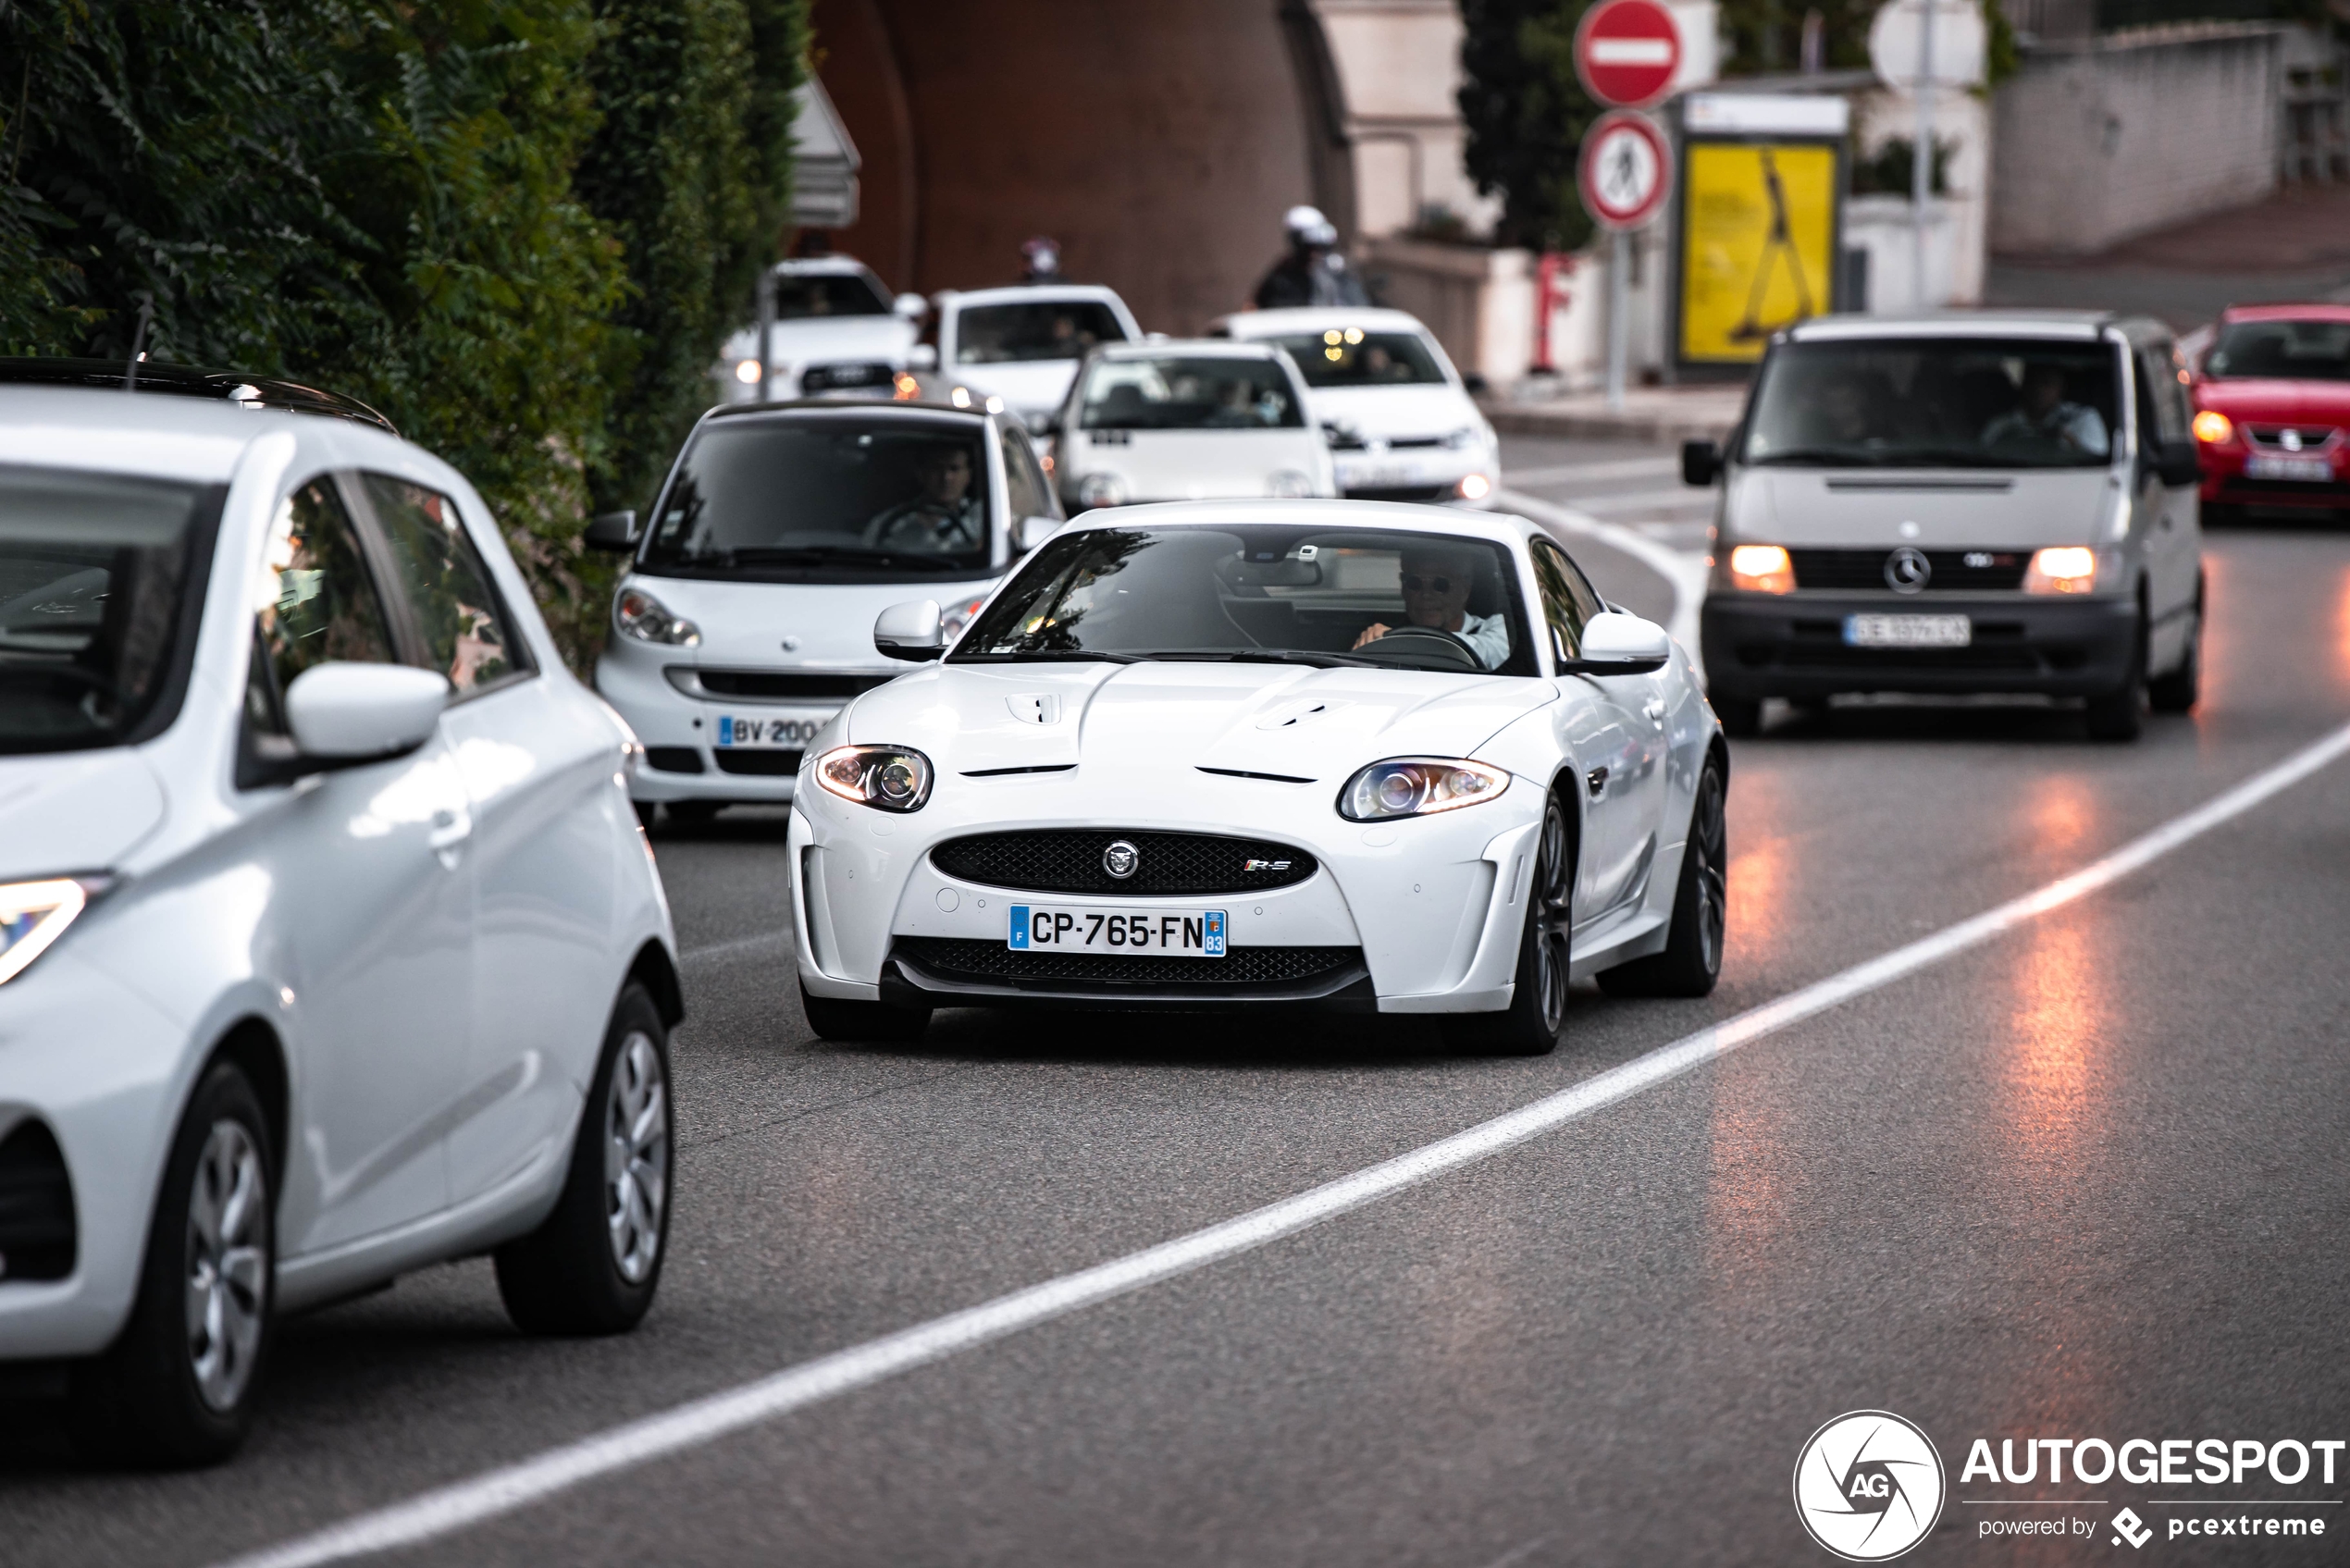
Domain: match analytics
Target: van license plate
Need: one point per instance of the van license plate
(1907, 631)
(2308, 470)
(1161, 933)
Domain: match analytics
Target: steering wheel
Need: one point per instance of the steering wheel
(1422, 645)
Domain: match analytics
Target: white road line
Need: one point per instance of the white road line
(1567, 473)
(730, 948)
(447, 1509)
(1683, 570)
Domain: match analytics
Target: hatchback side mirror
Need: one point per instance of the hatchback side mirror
(910, 307)
(1700, 462)
(2178, 463)
(351, 713)
(910, 631)
(923, 356)
(1617, 644)
(1030, 532)
(611, 530)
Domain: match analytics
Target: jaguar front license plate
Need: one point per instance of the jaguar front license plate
(1907, 631)
(1161, 933)
(2308, 470)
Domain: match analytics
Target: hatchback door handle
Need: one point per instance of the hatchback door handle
(1597, 780)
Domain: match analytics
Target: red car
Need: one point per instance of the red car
(2272, 397)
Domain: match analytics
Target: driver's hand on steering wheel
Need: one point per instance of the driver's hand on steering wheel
(1371, 632)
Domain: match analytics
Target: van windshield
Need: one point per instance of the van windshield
(1936, 403)
(95, 584)
(827, 498)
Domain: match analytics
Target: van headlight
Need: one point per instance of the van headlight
(1418, 786)
(2062, 569)
(647, 620)
(888, 778)
(34, 914)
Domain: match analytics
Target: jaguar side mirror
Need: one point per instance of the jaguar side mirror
(910, 631)
(1617, 644)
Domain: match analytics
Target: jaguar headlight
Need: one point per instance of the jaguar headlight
(888, 778)
(34, 914)
(645, 618)
(1418, 786)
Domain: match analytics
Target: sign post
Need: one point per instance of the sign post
(1922, 46)
(1627, 53)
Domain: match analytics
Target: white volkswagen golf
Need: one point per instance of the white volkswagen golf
(1314, 754)
(329, 946)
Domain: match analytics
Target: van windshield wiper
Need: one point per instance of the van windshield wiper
(1821, 457)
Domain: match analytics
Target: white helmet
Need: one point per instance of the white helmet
(1298, 220)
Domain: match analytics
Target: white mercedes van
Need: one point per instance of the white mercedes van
(1980, 502)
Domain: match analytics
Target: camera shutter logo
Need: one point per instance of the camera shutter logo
(1869, 1486)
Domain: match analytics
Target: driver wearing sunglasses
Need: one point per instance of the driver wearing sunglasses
(1436, 594)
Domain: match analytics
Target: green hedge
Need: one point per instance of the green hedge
(520, 228)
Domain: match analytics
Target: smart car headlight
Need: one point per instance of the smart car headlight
(1418, 786)
(647, 620)
(888, 778)
(34, 914)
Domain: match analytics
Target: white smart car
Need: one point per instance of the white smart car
(329, 946)
(1016, 350)
(1401, 422)
(1226, 755)
(1208, 420)
(746, 617)
(837, 333)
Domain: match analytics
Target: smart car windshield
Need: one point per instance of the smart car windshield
(1266, 593)
(828, 293)
(95, 588)
(2280, 351)
(1348, 356)
(1219, 392)
(1034, 329)
(826, 498)
(1936, 403)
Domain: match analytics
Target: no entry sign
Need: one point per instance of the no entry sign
(1627, 52)
(1627, 169)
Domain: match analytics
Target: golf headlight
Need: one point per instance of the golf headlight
(1102, 489)
(647, 620)
(1418, 786)
(34, 914)
(1290, 483)
(1464, 437)
(888, 778)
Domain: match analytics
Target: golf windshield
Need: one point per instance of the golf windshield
(1936, 403)
(97, 581)
(1261, 593)
(1037, 330)
(836, 497)
(2280, 351)
(1348, 356)
(1222, 392)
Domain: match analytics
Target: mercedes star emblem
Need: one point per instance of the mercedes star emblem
(1121, 859)
(1907, 570)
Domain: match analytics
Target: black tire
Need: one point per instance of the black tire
(1530, 1025)
(2180, 689)
(1692, 961)
(178, 1387)
(2119, 715)
(592, 1266)
(1741, 716)
(875, 1022)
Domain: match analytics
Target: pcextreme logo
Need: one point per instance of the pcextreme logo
(1869, 1486)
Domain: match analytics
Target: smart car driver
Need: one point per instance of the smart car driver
(1436, 594)
(944, 517)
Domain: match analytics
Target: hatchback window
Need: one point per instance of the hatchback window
(1348, 356)
(2285, 350)
(466, 633)
(99, 576)
(317, 602)
(1936, 403)
(1223, 392)
(1033, 330)
(828, 293)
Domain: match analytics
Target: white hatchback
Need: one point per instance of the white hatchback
(329, 946)
(1401, 422)
(1206, 420)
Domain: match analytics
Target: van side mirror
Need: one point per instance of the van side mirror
(611, 530)
(909, 307)
(1030, 532)
(923, 356)
(1617, 644)
(910, 631)
(2178, 463)
(1700, 462)
(344, 714)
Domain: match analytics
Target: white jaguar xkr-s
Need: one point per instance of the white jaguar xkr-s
(1235, 755)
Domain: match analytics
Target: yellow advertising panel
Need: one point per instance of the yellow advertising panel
(1758, 244)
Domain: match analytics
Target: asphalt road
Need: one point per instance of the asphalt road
(2088, 1179)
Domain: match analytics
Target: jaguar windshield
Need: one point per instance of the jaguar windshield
(1348, 356)
(1259, 593)
(1936, 403)
(95, 588)
(826, 498)
(1215, 392)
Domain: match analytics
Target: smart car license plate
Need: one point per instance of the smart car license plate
(1161, 933)
(2309, 470)
(1907, 631)
(756, 735)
